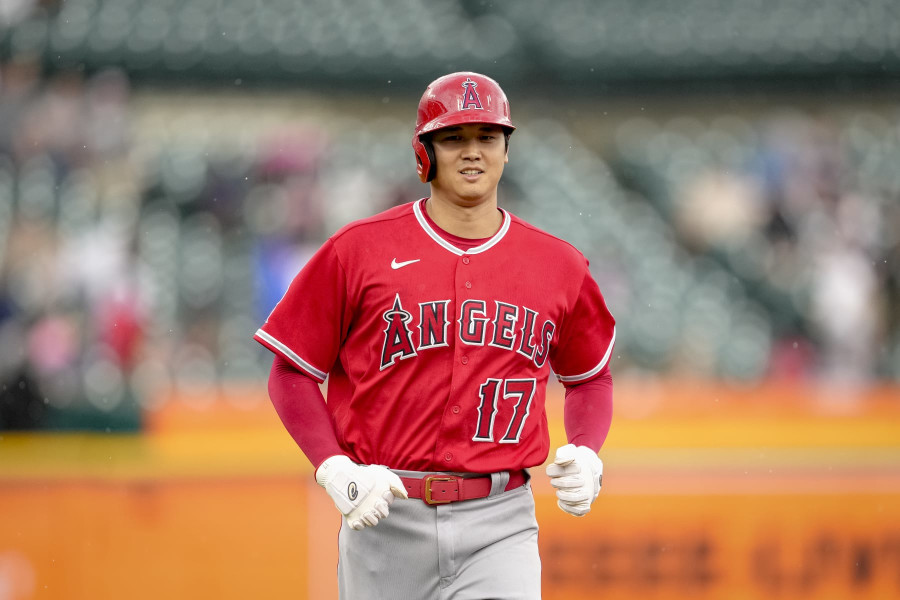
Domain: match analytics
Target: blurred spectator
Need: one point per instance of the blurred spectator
(844, 310)
(21, 403)
(119, 324)
(107, 129)
(20, 82)
(54, 123)
(793, 358)
(719, 207)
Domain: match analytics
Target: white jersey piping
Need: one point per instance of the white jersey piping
(293, 356)
(423, 222)
(595, 370)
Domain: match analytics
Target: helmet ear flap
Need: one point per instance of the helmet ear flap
(425, 164)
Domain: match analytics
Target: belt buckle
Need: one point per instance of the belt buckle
(431, 479)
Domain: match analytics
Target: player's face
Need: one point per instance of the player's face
(470, 160)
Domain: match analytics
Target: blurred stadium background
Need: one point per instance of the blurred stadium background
(732, 171)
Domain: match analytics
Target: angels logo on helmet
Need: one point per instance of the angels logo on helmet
(470, 98)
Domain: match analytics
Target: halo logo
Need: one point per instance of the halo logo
(352, 492)
(470, 97)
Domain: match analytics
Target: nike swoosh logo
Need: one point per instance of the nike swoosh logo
(398, 265)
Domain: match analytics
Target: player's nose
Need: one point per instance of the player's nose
(471, 150)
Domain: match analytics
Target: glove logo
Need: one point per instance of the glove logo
(470, 97)
(352, 492)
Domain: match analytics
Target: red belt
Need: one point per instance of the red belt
(441, 489)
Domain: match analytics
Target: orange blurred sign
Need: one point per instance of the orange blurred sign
(724, 546)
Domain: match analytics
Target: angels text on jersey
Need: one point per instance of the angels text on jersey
(476, 323)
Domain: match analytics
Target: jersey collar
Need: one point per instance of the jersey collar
(418, 207)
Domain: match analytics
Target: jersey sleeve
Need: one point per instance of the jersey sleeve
(307, 325)
(302, 409)
(587, 415)
(586, 338)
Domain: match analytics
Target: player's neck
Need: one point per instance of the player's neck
(475, 221)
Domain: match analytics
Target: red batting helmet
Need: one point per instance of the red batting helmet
(455, 99)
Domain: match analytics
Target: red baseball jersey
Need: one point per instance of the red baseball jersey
(437, 358)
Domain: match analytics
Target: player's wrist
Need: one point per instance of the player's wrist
(328, 467)
(584, 441)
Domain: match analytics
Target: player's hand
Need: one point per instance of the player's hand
(576, 473)
(363, 493)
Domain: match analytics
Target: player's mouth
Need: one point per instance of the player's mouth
(471, 174)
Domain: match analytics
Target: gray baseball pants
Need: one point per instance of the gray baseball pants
(484, 549)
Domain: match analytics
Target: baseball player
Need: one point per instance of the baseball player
(437, 323)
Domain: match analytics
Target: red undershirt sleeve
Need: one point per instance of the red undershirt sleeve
(587, 413)
(301, 407)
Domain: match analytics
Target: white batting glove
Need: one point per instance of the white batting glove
(576, 473)
(363, 493)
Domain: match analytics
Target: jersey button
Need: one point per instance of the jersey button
(464, 360)
(465, 260)
(455, 410)
(448, 457)
(468, 285)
